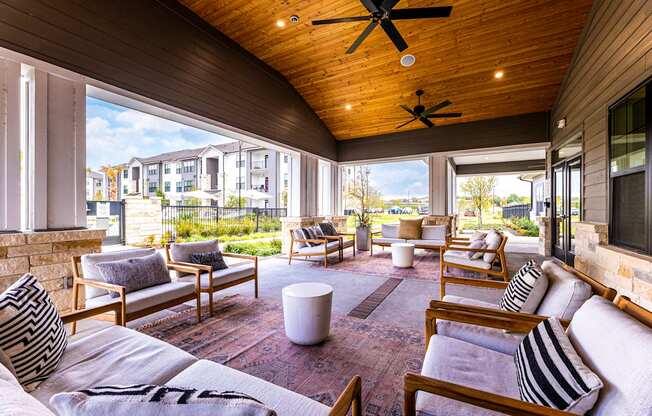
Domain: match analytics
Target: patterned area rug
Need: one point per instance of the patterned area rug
(247, 334)
(426, 264)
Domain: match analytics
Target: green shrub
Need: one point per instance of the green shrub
(524, 226)
(264, 248)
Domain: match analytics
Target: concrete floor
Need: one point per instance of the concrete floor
(403, 307)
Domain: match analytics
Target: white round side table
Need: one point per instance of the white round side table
(402, 254)
(307, 312)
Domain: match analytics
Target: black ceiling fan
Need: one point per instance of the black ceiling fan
(382, 12)
(420, 112)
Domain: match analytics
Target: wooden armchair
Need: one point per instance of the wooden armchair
(453, 254)
(133, 305)
(511, 321)
(211, 281)
(323, 247)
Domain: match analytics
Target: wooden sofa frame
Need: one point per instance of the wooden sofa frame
(180, 266)
(459, 244)
(373, 243)
(597, 287)
(78, 281)
(349, 399)
(324, 242)
(494, 319)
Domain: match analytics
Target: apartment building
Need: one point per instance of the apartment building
(96, 185)
(223, 170)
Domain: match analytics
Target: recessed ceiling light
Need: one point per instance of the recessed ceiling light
(280, 23)
(408, 60)
(348, 106)
(498, 74)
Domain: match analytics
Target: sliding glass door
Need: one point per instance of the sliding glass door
(567, 207)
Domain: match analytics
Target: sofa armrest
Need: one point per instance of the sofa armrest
(351, 398)
(490, 284)
(192, 268)
(465, 248)
(240, 256)
(75, 316)
(486, 400)
(100, 285)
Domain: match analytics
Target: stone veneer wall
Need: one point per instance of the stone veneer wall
(627, 272)
(290, 223)
(143, 220)
(46, 255)
(545, 236)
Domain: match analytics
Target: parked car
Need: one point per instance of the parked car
(423, 210)
(469, 213)
(395, 210)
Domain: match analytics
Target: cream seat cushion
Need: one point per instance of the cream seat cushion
(223, 276)
(460, 257)
(385, 240)
(492, 338)
(209, 375)
(331, 247)
(115, 355)
(151, 296)
(463, 363)
(91, 272)
(617, 348)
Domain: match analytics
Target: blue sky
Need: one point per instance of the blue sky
(115, 134)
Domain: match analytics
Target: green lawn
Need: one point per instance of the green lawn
(229, 238)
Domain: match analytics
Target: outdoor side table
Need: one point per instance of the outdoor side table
(307, 312)
(402, 254)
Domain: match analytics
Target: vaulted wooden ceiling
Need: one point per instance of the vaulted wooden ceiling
(532, 41)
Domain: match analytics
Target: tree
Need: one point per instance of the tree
(480, 190)
(284, 198)
(232, 202)
(99, 196)
(514, 199)
(363, 196)
(112, 173)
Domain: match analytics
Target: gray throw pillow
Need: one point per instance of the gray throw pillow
(213, 259)
(328, 229)
(153, 400)
(135, 273)
(476, 254)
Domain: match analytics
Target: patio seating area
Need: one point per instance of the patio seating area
(311, 208)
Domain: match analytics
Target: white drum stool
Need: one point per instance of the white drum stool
(307, 312)
(402, 254)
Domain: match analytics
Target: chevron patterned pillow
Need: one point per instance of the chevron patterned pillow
(32, 334)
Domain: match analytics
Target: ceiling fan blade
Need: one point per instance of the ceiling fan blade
(436, 107)
(394, 35)
(341, 20)
(406, 123)
(426, 122)
(388, 5)
(444, 115)
(362, 36)
(421, 13)
(409, 110)
(370, 5)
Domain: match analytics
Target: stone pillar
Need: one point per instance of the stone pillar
(339, 221)
(628, 272)
(46, 255)
(291, 223)
(545, 236)
(143, 220)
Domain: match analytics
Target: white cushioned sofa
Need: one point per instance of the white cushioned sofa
(567, 291)
(432, 237)
(121, 356)
(460, 378)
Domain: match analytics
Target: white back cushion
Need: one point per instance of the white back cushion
(390, 230)
(433, 232)
(91, 272)
(566, 292)
(492, 240)
(617, 348)
(182, 251)
(15, 401)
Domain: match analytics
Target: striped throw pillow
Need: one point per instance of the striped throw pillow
(526, 289)
(32, 334)
(550, 373)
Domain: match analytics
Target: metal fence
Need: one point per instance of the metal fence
(180, 220)
(514, 211)
(109, 215)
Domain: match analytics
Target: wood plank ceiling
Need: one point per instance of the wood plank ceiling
(532, 41)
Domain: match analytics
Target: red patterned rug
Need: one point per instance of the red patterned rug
(247, 334)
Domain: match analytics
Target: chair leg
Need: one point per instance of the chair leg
(75, 301)
(199, 307)
(290, 258)
(256, 286)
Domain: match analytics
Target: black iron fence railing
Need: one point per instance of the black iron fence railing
(514, 211)
(185, 221)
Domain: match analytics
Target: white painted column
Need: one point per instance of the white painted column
(9, 145)
(57, 161)
(302, 198)
(438, 183)
(336, 189)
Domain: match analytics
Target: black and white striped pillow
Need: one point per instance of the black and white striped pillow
(526, 289)
(32, 334)
(551, 373)
(146, 399)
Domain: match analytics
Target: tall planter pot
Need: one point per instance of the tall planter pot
(362, 238)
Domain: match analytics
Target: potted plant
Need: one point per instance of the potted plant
(362, 196)
(362, 230)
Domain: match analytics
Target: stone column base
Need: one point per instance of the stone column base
(545, 236)
(290, 223)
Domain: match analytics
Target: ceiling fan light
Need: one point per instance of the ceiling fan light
(408, 60)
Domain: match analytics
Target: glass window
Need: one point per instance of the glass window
(153, 187)
(631, 202)
(179, 187)
(167, 168)
(187, 186)
(178, 170)
(188, 166)
(167, 186)
(125, 173)
(152, 169)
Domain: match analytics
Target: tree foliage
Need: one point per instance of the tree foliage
(233, 202)
(112, 173)
(480, 190)
(363, 196)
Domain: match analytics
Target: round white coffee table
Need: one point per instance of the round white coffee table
(307, 312)
(402, 254)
